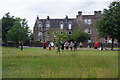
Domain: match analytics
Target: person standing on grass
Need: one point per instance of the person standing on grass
(75, 46)
(49, 46)
(21, 46)
(62, 46)
(81, 45)
(96, 45)
(66, 45)
(71, 45)
(52, 45)
(101, 46)
(89, 45)
(44, 45)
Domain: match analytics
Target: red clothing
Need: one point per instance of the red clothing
(96, 44)
(49, 48)
(44, 43)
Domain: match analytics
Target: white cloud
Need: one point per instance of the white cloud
(29, 9)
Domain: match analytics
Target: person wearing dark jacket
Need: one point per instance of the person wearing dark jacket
(44, 45)
(75, 46)
(21, 46)
(62, 46)
(101, 45)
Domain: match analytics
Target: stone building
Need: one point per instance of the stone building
(44, 29)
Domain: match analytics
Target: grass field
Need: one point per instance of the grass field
(39, 63)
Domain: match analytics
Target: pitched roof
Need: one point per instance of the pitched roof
(56, 22)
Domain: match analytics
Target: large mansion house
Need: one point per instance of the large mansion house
(83, 23)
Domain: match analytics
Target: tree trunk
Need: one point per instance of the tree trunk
(58, 50)
(112, 44)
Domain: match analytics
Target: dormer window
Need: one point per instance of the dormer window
(61, 25)
(47, 24)
(40, 25)
(70, 25)
(85, 21)
(89, 21)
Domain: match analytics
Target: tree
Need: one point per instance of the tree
(30, 38)
(18, 32)
(59, 38)
(49, 34)
(78, 36)
(108, 25)
(7, 23)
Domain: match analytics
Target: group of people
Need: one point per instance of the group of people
(71, 45)
(50, 45)
(64, 45)
(67, 45)
(96, 45)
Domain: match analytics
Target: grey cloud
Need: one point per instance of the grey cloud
(29, 9)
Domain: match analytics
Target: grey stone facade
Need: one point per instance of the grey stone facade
(44, 29)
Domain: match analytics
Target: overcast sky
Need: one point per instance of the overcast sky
(29, 9)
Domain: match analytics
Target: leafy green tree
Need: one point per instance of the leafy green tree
(109, 24)
(7, 23)
(49, 34)
(78, 36)
(59, 38)
(18, 32)
(30, 39)
(31, 36)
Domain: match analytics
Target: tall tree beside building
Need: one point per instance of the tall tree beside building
(49, 34)
(7, 23)
(109, 24)
(18, 32)
(78, 36)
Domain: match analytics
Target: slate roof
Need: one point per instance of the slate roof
(56, 22)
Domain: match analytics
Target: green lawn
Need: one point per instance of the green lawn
(39, 63)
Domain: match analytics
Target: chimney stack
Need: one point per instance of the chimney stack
(48, 17)
(66, 17)
(79, 12)
(97, 14)
(37, 17)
